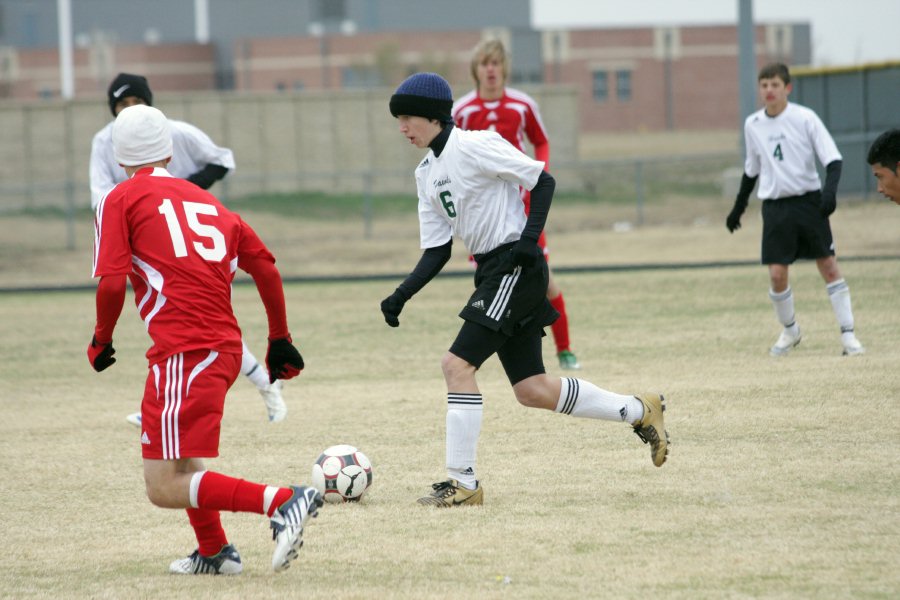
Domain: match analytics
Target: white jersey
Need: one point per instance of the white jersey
(472, 191)
(192, 150)
(782, 150)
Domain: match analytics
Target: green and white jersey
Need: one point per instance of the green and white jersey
(782, 151)
(472, 191)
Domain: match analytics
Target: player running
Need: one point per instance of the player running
(194, 157)
(180, 248)
(468, 186)
(514, 115)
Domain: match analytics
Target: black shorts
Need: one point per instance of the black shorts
(794, 228)
(506, 314)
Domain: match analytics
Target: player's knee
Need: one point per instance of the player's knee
(535, 392)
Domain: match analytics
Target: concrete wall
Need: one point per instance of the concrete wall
(343, 141)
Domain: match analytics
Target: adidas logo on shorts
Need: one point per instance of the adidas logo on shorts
(479, 304)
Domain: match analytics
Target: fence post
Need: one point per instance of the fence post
(639, 189)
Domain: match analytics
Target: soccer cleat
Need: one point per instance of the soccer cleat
(271, 395)
(652, 429)
(287, 524)
(226, 562)
(134, 419)
(852, 346)
(568, 361)
(785, 342)
(449, 493)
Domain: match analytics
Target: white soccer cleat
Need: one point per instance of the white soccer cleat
(275, 406)
(226, 562)
(852, 346)
(786, 341)
(134, 419)
(287, 524)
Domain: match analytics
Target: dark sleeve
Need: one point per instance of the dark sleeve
(832, 177)
(431, 263)
(747, 184)
(541, 196)
(207, 176)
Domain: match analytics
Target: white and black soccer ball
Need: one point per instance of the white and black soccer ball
(342, 474)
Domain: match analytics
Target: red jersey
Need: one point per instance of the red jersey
(514, 116)
(180, 248)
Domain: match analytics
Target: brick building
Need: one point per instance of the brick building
(627, 79)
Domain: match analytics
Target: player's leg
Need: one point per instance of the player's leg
(270, 392)
(780, 246)
(473, 345)
(182, 408)
(521, 359)
(560, 327)
(839, 294)
(782, 298)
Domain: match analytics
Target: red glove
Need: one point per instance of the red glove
(282, 359)
(100, 354)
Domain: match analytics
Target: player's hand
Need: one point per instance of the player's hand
(733, 221)
(283, 360)
(526, 252)
(100, 354)
(391, 307)
(827, 206)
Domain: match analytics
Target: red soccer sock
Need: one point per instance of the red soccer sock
(221, 492)
(560, 327)
(208, 529)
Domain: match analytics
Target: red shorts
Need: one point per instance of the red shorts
(183, 402)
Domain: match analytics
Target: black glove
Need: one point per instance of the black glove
(391, 307)
(733, 221)
(100, 355)
(283, 360)
(827, 205)
(526, 252)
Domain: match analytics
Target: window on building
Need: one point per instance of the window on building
(360, 77)
(601, 86)
(623, 85)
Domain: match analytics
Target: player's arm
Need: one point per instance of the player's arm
(208, 175)
(542, 154)
(429, 265)
(100, 171)
(733, 221)
(829, 190)
(109, 302)
(217, 161)
(282, 358)
(526, 251)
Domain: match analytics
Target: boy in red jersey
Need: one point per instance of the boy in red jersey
(514, 115)
(180, 248)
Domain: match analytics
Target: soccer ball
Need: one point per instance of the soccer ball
(342, 474)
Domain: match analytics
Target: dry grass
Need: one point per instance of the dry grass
(781, 481)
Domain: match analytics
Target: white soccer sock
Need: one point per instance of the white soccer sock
(254, 371)
(463, 428)
(581, 398)
(839, 294)
(784, 309)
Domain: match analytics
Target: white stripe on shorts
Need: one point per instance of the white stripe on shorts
(501, 299)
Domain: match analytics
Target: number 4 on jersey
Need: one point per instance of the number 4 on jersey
(777, 154)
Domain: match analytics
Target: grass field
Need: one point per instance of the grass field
(781, 481)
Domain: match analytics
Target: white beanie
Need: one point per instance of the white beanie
(141, 136)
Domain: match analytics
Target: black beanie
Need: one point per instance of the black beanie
(126, 84)
(423, 95)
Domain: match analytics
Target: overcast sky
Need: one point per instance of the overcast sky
(844, 32)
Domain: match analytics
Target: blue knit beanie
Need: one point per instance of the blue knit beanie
(423, 95)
